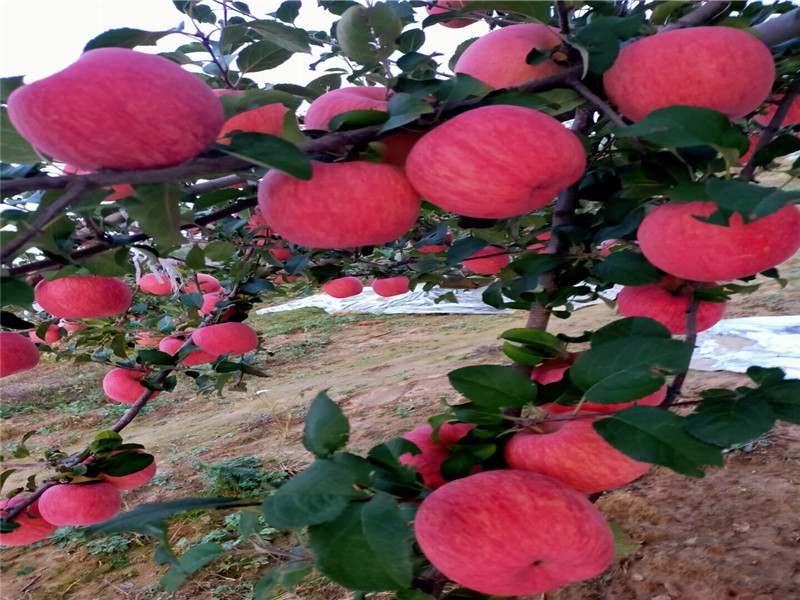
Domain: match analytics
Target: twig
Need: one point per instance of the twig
(601, 104)
(563, 16)
(675, 388)
(780, 29)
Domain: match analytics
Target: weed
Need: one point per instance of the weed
(69, 535)
(240, 477)
(111, 544)
(25, 571)
(308, 319)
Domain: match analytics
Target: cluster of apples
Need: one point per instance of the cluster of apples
(80, 503)
(345, 287)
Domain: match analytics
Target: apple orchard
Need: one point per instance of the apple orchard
(150, 201)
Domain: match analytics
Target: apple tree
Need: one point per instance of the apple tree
(575, 147)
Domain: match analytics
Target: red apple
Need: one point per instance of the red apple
(432, 248)
(674, 241)
(725, 69)
(343, 205)
(541, 246)
(343, 287)
(281, 254)
(71, 327)
(123, 385)
(51, 335)
(455, 23)
(513, 533)
(79, 503)
(172, 344)
(83, 296)
(335, 102)
(390, 286)
(17, 353)
(573, 453)
(537, 155)
(132, 480)
(236, 338)
(604, 248)
(487, 261)
(792, 117)
(210, 302)
(668, 302)
(119, 109)
(394, 148)
(32, 527)
(208, 284)
(151, 283)
(433, 454)
(498, 58)
(264, 119)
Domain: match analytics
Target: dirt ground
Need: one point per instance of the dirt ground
(734, 535)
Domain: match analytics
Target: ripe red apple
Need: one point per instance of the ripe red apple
(32, 527)
(343, 205)
(79, 503)
(537, 155)
(208, 284)
(119, 109)
(236, 338)
(172, 344)
(455, 23)
(498, 58)
(433, 454)
(394, 148)
(51, 335)
(725, 69)
(264, 119)
(390, 286)
(541, 246)
(792, 117)
(152, 283)
(674, 241)
(513, 533)
(343, 287)
(668, 302)
(335, 102)
(123, 385)
(132, 480)
(71, 327)
(17, 353)
(210, 302)
(487, 261)
(83, 296)
(573, 453)
(281, 254)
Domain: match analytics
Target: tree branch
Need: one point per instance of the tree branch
(675, 388)
(703, 14)
(780, 29)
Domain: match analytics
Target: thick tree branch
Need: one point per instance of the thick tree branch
(780, 29)
(703, 14)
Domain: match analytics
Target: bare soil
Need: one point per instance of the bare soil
(733, 535)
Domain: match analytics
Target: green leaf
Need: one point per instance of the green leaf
(125, 38)
(630, 327)
(493, 386)
(366, 547)
(3, 477)
(196, 258)
(262, 56)
(368, 35)
(192, 300)
(157, 357)
(411, 40)
(157, 210)
(315, 495)
(269, 151)
(458, 88)
(263, 587)
(190, 561)
(15, 292)
(725, 422)
(533, 337)
(125, 463)
(326, 429)
(288, 38)
(464, 248)
(288, 11)
(533, 265)
(751, 201)
(783, 397)
(8, 85)
(685, 126)
(650, 434)
(357, 118)
(627, 268)
(599, 40)
(405, 108)
(250, 99)
(523, 355)
(14, 149)
(294, 574)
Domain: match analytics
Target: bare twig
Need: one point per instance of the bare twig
(780, 29)
(674, 390)
(601, 104)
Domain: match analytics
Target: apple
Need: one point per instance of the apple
(394, 148)
(236, 338)
(32, 527)
(210, 302)
(119, 109)
(264, 119)
(390, 286)
(122, 190)
(677, 243)
(281, 254)
(132, 480)
(573, 453)
(541, 246)
(537, 155)
(71, 327)
(792, 117)
(51, 335)
(343, 205)
(668, 302)
(79, 503)
(123, 385)
(208, 284)
(345, 99)
(455, 23)
(725, 69)
(432, 248)
(604, 248)
(152, 283)
(513, 533)
(172, 344)
(17, 353)
(487, 261)
(343, 287)
(83, 296)
(433, 454)
(498, 58)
